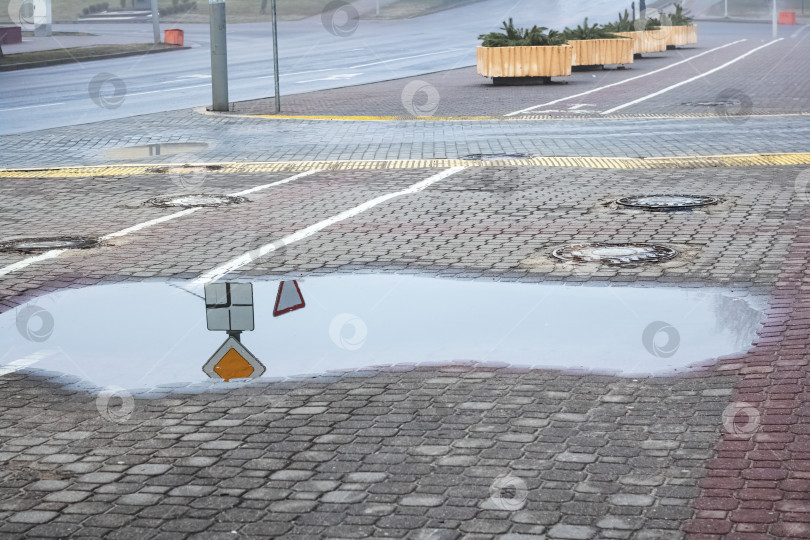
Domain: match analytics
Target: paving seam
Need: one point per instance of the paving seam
(584, 162)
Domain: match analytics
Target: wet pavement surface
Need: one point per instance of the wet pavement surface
(435, 372)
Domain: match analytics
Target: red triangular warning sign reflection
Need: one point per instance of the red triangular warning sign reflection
(289, 298)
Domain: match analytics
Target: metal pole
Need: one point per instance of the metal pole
(726, 3)
(378, 8)
(219, 56)
(156, 21)
(775, 21)
(275, 59)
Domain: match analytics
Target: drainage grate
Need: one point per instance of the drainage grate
(196, 200)
(492, 157)
(33, 245)
(614, 253)
(667, 202)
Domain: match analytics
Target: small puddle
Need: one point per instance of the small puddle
(142, 335)
(149, 150)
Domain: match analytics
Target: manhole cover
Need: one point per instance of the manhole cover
(490, 157)
(667, 202)
(197, 200)
(32, 245)
(614, 253)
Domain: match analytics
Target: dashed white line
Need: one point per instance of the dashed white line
(32, 106)
(687, 81)
(19, 265)
(625, 80)
(246, 258)
(405, 58)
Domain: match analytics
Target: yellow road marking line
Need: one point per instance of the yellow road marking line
(586, 162)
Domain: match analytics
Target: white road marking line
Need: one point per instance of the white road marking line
(406, 58)
(339, 77)
(26, 361)
(167, 90)
(246, 258)
(19, 265)
(625, 80)
(280, 182)
(687, 81)
(799, 31)
(147, 224)
(32, 107)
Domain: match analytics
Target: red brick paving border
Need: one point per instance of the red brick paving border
(758, 485)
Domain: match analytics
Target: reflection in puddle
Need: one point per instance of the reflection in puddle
(148, 150)
(140, 335)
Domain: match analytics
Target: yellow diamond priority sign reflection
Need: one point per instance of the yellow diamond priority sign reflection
(233, 361)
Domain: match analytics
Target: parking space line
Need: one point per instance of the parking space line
(52, 254)
(626, 80)
(687, 81)
(246, 258)
(19, 265)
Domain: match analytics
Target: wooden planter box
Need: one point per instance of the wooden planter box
(508, 62)
(682, 35)
(647, 41)
(595, 52)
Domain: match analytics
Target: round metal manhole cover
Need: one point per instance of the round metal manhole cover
(615, 253)
(197, 200)
(667, 202)
(33, 245)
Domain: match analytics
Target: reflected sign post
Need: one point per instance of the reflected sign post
(229, 308)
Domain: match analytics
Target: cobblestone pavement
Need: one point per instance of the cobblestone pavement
(424, 451)
(420, 450)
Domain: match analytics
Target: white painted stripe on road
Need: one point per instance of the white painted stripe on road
(687, 81)
(406, 58)
(799, 31)
(242, 260)
(24, 362)
(32, 106)
(19, 265)
(280, 182)
(626, 80)
(147, 224)
(167, 90)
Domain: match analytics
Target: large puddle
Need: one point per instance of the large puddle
(142, 335)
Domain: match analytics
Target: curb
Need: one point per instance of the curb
(56, 62)
(583, 162)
